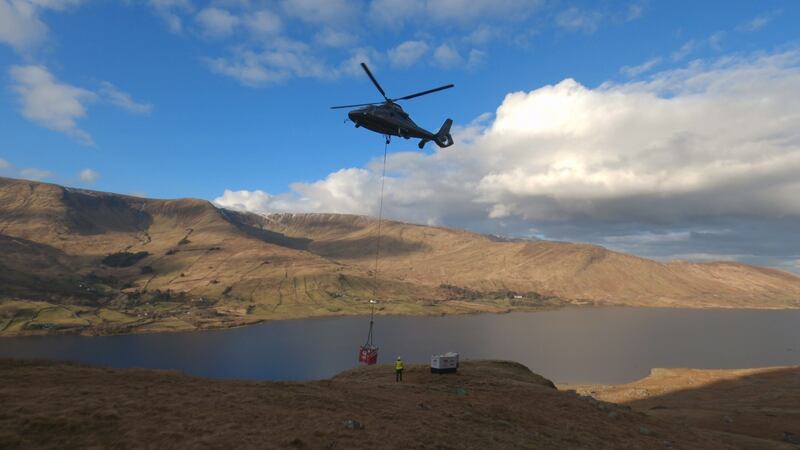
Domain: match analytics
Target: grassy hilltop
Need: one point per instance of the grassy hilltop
(487, 404)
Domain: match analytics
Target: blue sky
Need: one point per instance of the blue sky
(228, 101)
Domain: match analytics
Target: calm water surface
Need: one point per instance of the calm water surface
(596, 345)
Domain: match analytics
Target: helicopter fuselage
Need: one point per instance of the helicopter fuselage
(389, 119)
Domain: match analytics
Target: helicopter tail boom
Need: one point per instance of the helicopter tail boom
(443, 138)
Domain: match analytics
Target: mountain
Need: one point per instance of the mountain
(80, 260)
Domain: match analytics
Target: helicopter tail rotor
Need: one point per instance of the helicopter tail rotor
(443, 137)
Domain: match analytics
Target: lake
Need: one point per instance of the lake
(590, 345)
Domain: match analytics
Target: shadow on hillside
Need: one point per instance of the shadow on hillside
(89, 214)
(252, 226)
(365, 247)
(339, 248)
(763, 405)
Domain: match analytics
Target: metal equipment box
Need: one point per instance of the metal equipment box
(446, 363)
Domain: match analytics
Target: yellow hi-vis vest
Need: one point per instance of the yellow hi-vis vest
(398, 365)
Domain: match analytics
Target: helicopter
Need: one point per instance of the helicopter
(389, 119)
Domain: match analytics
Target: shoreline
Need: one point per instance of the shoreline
(478, 308)
(446, 308)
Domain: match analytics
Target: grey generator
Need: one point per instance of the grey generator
(446, 363)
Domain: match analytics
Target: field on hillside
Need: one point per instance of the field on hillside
(20, 317)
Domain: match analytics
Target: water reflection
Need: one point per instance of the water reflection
(598, 345)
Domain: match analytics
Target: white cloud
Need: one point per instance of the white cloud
(59, 106)
(712, 144)
(216, 22)
(759, 22)
(4, 164)
(321, 11)
(88, 175)
(346, 190)
(470, 10)
(482, 34)
(261, 57)
(259, 68)
(263, 22)
(394, 13)
(576, 19)
(329, 37)
(117, 97)
(171, 10)
(635, 11)
(714, 42)
(20, 24)
(686, 49)
(352, 65)
(476, 58)
(33, 173)
(446, 57)
(460, 12)
(646, 66)
(55, 4)
(589, 20)
(287, 59)
(50, 103)
(407, 53)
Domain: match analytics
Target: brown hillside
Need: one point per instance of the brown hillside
(103, 263)
(761, 403)
(487, 404)
(432, 256)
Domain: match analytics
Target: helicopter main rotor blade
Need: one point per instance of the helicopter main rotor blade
(353, 106)
(374, 81)
(429, 91)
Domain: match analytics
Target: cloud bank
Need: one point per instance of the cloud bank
(59, 106)
(21, 25)
(263, 46)
(696, 156)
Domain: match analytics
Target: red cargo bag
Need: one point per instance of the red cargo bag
(368, 354)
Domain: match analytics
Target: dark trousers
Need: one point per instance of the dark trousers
(398, 374)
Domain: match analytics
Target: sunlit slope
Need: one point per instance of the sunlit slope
(435, 256)
(57, 243)
(183, 264)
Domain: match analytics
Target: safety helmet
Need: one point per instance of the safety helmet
(398, 357)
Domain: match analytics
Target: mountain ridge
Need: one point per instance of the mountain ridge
(161, 264)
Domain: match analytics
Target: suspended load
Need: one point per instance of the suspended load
(389, 119)
(368, 353)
